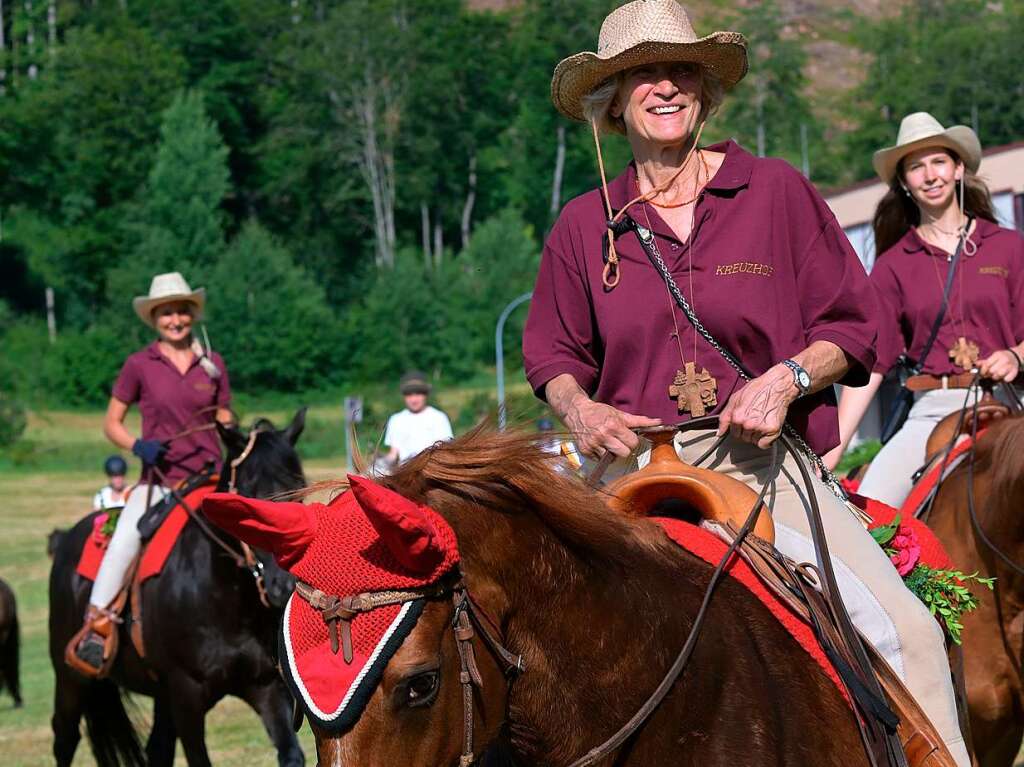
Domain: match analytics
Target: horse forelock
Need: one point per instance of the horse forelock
(510, 473)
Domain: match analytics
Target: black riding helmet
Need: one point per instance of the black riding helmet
(115, 466)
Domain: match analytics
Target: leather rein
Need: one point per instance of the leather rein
(338, 613)
(878, 724)
(244, 559)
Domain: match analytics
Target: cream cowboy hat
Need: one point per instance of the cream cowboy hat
(645, 32)
(164, 289)
(919, 130)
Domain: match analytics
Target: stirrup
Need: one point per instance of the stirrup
(92, 649)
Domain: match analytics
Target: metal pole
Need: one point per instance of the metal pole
(499, 356)
(348, 444)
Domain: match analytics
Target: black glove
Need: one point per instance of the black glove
(149, 450)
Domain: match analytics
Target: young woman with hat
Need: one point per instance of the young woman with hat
(935, 200)
(692, 255)
(180, 388)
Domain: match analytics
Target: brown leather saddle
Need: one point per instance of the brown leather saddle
(989, 411)
(669, 487)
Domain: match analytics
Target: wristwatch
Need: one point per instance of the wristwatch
(801, 377)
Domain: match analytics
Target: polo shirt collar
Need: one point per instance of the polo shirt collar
(734, 174)
(912, 242)
(153, 350)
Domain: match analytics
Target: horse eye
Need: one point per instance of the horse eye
(421, 690)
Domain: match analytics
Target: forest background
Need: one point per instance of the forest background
(362, 185)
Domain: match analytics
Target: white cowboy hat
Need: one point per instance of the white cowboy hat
(164, 289)
(919, 130)
(645, 32)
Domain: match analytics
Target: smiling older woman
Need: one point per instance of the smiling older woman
(744, 247)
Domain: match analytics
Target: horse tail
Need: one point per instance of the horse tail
(111, 731)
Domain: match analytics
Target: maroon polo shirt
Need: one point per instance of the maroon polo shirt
(772, 273)
(986, 301)
(171, 402)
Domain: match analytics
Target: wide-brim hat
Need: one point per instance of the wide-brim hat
(165, 289)
(920, 130)
(645, 32)
(367, 540)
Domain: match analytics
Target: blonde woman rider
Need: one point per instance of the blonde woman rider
(935, 198)
(177, 387)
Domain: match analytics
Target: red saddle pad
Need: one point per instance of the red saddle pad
(711, 549)
(160, 546)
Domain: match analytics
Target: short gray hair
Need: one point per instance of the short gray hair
(598, 103)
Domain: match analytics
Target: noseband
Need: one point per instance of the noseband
(338, 612)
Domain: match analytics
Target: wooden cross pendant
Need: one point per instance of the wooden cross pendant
(964, 353)
(694, 391)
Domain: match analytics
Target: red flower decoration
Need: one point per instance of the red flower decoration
(906, 551)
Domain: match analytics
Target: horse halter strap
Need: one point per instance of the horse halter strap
(338, 612)
(236, 462)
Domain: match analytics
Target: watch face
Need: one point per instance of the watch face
(804, 378)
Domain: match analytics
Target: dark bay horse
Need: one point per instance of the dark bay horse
(10, 643)
(206, 632)
(993, 635)
(598, 605)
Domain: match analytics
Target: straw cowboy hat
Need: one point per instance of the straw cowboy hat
(919, 130)
(645, 32)
(164, 289)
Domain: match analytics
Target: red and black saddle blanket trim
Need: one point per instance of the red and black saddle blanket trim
(155, 554)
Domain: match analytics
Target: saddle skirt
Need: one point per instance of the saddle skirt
(157, 550)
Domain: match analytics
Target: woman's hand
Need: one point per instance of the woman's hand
(597, 428)
(600, 428)
(1001, 365)
(756, 413)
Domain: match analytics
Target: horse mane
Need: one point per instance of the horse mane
(511, 473)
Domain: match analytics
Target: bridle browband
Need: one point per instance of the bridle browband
(338, 612)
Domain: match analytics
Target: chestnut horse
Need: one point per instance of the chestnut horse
(598, 605)
(993, 643)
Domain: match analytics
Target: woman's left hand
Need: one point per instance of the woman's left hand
(1000, 366)
(756, 413)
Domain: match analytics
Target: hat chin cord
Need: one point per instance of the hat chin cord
(612, 272)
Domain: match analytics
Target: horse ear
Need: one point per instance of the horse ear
(405, 528)
(294, 430)
(232, 438)
(283, 528)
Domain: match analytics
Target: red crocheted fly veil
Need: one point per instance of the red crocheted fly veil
(367, 539)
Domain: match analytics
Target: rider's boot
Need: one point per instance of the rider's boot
(92, 649)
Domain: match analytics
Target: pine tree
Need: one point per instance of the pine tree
(180, 222)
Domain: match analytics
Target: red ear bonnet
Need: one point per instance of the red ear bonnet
(283, 529)
(405, 527)
(365, 540)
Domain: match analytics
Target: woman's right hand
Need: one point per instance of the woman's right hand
(597, 428)
(600, 428)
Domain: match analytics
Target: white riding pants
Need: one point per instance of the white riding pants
(124, 545)
(888, 479)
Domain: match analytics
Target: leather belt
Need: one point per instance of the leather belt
(929, 382)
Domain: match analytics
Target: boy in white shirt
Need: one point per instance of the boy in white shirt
(419, 426)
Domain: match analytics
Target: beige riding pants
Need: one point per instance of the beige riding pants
(881, 607)
(888, 479)
(124, 545)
